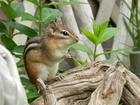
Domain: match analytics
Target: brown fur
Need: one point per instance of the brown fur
(32, 61)
(48, 50)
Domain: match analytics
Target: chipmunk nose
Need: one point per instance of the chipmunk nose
(77, 39)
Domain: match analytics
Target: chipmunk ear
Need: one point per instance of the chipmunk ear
(53, 25)
(58, 21)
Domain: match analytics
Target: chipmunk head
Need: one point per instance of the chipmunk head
(57, 31)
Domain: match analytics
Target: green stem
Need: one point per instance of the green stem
(16, 34)
(40, 20)
(19, 62)
(137, 22)
(133, 27)
(94, 55)
(10, 28)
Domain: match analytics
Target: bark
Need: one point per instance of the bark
(110, 90)
(131, 92)
(96, 83)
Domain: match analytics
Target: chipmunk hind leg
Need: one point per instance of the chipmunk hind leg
(33, 72)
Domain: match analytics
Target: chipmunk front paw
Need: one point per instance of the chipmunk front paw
(70, 54)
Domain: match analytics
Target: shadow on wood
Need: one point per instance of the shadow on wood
(96, 83)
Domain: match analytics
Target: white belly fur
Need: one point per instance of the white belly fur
(48, 71)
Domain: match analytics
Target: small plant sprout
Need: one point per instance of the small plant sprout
(100, 35)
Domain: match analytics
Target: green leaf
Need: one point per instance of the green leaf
(18, 8)
(3, 28)
(102, 28)
(19, 49)
(131, 10)
(9, 43)
(79, 62)
(25, 81)
(96, 28)
(21, 72)
(48, 15)
(129, 31)
(130, 20)
(10, 13)
(64, 3)
(118, 58)
(109, 32)
(60, 70)
(32, 95)
(138, 23)
(83, 48)
(124, 54)
(90, 36)
(113, 51)
(27, 16)
(28, 85)
(109, 61)
(20, 64)
(22, 28)
(34, 2)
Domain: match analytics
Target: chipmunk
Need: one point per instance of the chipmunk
(42, 54)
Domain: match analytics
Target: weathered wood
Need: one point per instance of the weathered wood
(105, 10)
(110, 90)
(131, 92)
(48, 96)
(38, 101)
(96, 83)
(115, 14)
(114, 10)
(78, 84)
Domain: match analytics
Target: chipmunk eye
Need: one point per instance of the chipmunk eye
(53, 30)
(65, 33)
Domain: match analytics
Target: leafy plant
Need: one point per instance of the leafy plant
(16, 9)
(100, 35)
(32, 91)
(13, 10)
(79, 62)
(134, 30)
(43, 16)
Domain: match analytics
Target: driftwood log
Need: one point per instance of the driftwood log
(96, 83)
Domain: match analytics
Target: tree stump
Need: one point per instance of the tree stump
(96, 83)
